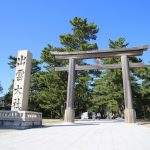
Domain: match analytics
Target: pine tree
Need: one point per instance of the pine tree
(55, 90)
(1, 89)
(143, 98)
(108, 90)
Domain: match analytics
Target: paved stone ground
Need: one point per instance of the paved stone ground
(83, 135)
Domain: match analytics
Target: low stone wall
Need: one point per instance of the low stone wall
(20, 119)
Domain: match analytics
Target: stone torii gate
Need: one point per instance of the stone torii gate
(130, 114)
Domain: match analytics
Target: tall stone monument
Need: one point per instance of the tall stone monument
(19, 117)
(22, 81)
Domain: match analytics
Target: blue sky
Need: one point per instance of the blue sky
(32, 24)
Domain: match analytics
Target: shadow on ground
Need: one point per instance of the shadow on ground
(66, 124)
(84, 123)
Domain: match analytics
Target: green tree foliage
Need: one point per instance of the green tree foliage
(83, 32)
(1, 98)
(48, 87)
(108, 90)
(143, 96)
(1, 89)
(8, 98)
(145, 90)
(99, 91)
(12, 62)
(52, 96)
(108, 93)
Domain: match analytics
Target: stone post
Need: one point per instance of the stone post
(22, 81)
(130, 115)
(69, 112)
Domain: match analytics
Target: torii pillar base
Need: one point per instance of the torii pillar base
(130, 115)
(69, 115)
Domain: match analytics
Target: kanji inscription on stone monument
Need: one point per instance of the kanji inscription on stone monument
(22, 81)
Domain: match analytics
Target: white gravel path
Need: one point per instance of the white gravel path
(82, 135)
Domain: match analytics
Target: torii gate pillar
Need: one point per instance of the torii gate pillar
(129, 112)
(69, 112)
